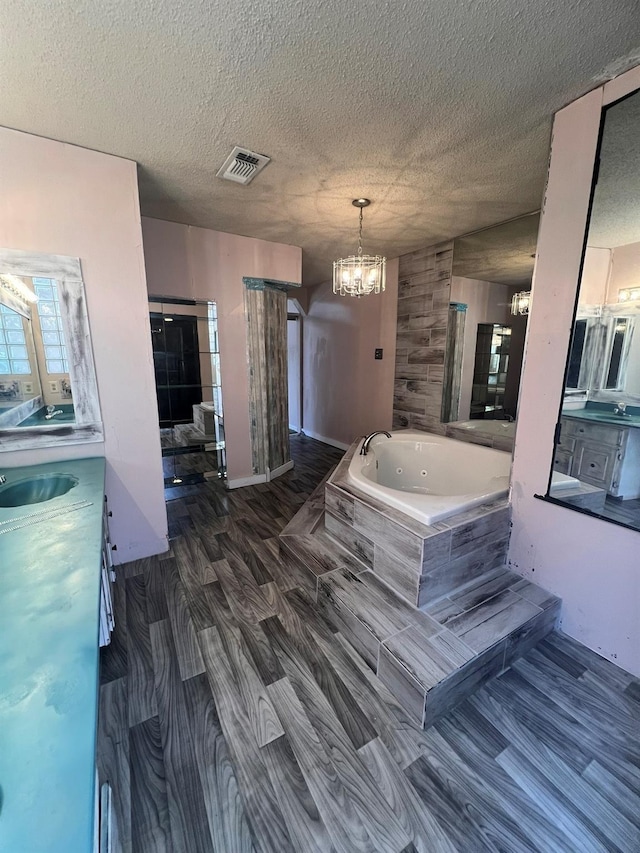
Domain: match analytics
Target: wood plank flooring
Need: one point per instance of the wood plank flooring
(234, 718)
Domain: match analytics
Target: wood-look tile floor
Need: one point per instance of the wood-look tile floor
(233, 719)
(628, 512)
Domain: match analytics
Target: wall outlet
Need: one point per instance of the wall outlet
(27, 387)
(54, 387)
(378, 353)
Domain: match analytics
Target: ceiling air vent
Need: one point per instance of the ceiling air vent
(242, 166)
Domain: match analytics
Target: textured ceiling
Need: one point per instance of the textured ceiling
(504, 253)
(438, 111)
(615, 217)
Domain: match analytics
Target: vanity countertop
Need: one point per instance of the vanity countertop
(49, 612)
(602, 417)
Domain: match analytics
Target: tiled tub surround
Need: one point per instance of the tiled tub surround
(419, 562)
(429, 477)
(424, 293)
(478, 622)
(497, 434)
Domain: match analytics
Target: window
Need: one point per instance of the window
(14, 356)
(55, 350)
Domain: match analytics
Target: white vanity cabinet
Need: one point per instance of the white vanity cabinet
(601, 454)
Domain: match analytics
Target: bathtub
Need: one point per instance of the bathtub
(430, 477)
(507, 428)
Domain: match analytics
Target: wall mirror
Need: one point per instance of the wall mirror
(186, 358)
(48, 389)
(485, 339)
(598, 435)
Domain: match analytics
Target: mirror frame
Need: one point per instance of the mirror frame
(606, 314)
(87, 426)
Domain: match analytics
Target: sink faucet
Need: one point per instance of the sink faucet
(52, 412)
(620, 409)
(367, 440)
(3, 479)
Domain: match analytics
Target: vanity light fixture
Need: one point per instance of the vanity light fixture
(520, 302)
(629, 294)
(359, 275)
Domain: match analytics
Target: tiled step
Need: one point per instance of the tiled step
(431, 665)
(430, 658)
(310, 513)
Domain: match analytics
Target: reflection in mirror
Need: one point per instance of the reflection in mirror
(35, 386)
(48, 390)
(485, 337)
(186, 356)
(599, 431)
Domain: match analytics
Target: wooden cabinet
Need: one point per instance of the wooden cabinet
(603, 455)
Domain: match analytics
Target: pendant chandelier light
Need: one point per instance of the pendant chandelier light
(520, 302)
(359, 274)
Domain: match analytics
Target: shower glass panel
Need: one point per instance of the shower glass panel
(187, 368)
(490, 374)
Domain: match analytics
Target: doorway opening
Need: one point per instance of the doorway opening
(294, 372)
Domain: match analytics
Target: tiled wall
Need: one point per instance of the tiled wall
(497, 442)
(423, 305)
(266, 315)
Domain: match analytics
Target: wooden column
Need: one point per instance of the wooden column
(266, 316)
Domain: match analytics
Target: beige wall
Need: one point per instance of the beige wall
(606, 271)
(346, 392)
(197, 263)
(66, 200)
(625, 270)
(595, 276)
(591, 564)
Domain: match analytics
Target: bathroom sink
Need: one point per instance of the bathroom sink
(36, 490)
(612, 418)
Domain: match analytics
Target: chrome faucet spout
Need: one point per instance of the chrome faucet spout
(620, 409)
(368, 438)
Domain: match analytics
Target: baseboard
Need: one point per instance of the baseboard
(282, 469)
(246, 481)
(325, 440)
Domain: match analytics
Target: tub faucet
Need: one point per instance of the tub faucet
(367, 440)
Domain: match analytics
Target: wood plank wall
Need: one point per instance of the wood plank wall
(277, 377)
(424, 292)
(266, 316)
